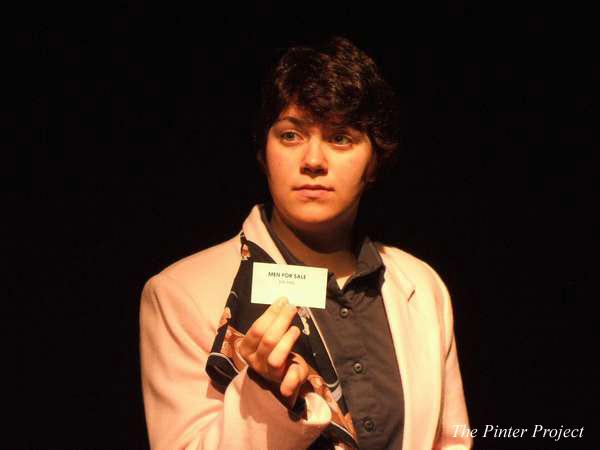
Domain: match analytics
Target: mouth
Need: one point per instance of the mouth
(313, 191)
(313, 187)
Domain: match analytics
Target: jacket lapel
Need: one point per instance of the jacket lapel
(417, 352)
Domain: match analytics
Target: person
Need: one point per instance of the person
(377, 368)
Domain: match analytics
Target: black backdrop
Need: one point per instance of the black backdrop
(141, 137)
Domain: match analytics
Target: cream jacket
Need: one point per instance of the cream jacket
(179, 315)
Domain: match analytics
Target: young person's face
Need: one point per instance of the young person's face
(316, 173)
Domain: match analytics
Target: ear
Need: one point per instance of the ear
(261, 156)
(371, 172)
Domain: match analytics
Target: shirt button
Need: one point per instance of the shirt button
(357, 367)
(369, 424)
(344, 312)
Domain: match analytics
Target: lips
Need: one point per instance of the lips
(313, 191)
(313, 187)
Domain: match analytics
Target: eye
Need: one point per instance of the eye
(341, 139)
(289, 136)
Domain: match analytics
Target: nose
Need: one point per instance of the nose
(314, 161)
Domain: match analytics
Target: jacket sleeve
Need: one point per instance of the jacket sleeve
(183, 409)
(454, 424)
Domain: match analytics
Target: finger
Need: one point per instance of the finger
(276, 331)
(301, 367)
(279, 355)
(257, 330)
(293, 379)
(290, 381)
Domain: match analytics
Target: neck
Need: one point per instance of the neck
(330, 248)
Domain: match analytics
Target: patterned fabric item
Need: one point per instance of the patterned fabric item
(225, 362)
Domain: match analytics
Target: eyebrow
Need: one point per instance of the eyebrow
(302, 123)
(295, 120)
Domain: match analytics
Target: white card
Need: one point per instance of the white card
(302, 285)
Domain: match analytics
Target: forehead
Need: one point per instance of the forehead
(301, 117)
(293, 110)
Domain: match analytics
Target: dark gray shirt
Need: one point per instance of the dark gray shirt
(355, 328)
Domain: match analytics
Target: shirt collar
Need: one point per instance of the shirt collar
(368, 258)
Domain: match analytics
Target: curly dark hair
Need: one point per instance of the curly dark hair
(335, 82)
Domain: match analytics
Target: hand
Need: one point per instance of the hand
(267, 349)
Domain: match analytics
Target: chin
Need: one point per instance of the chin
(313, 216)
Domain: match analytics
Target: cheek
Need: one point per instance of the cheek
(355, 172)
(275, 165)
(278, 170)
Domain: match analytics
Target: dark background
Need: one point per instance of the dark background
(140, 126)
